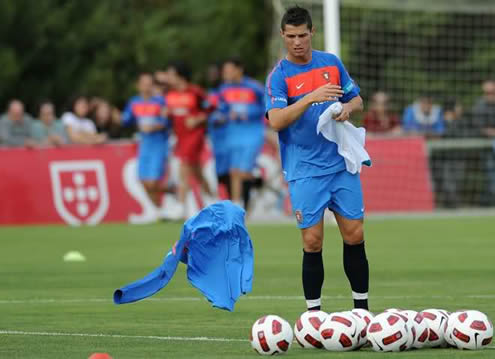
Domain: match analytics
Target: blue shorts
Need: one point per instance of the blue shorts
(151, 164)
(243, 157)
(222, 163)
(340, 192)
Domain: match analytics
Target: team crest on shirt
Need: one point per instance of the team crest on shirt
(299, 216)
(326, 75)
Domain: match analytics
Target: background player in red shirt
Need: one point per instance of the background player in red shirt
(186, 108)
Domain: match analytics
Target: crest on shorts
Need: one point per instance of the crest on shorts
(326, 75)
(80, 191)
(299, 216)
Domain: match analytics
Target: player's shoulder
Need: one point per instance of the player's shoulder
(277, 74)
(134, 99)
(327, 57)
(196, 89)
(158, 99)
(250, 82)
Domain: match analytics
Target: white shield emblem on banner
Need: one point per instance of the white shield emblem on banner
(80, 191)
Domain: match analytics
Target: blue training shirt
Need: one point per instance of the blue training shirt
(303, 152)
(146, 112)
(246, 101)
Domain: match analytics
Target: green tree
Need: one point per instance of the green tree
(57, 48)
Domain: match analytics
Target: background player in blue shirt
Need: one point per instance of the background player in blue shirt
(242, 98)
(218, 130)
(298, 90)
(147, 112)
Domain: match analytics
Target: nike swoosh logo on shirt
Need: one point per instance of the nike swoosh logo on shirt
(299, 86)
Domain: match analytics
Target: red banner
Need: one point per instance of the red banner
(399, 179)
(93, 184)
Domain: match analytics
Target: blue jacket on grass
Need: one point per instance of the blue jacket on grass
(218, 252)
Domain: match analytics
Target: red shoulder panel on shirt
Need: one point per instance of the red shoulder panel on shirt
(239, 95)
(146, 109)
(308, 81)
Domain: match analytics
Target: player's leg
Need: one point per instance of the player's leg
(185, 172)
(198, 173)
(347, 205)
(150, 188)
(147, 171)
(355, 261)
(309, 198)
(236, 185)
(224, 179)
(313, 272)
(243, 165)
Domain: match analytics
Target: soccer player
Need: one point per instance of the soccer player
(298, 90)
(147, 111)
(218, 129)
(243, 98)
(186, 108)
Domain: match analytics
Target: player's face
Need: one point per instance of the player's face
(297, 39)
(145, 84)
(231, 73)
(173, 77)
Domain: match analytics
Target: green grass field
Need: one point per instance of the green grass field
(416, 264)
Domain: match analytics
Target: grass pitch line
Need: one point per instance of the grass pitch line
(249, 297)
(119, 336)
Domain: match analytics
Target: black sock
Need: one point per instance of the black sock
(246, 192)
(357, 271)
(225, 180)
(312, 276)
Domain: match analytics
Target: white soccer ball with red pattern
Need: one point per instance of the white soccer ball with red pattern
(339, 332)
(363, 319)
(271, 335)
(436, 319)
(421, 329)
(469, 329)
(307, 329)
(388, 332)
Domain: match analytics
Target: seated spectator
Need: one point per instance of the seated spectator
(80, 129)
(484, 110)
(16, 126)
(484, 125)
(48, 130)
(107, 119)
(380, 118)
(424, 117)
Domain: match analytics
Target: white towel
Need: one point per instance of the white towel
(349, 139)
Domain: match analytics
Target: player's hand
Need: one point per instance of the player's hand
(328, 92)
(191, 122)
(344, 114)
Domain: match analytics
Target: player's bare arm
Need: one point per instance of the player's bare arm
(283, 118)
(355, 105)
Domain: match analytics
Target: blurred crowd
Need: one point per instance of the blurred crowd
(93, 120)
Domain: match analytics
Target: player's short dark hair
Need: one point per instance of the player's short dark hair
(182, 69)
(296, 16)
(145, 73)
(234, 60)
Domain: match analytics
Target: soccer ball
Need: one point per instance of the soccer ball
(410, 326)
(469, 329)
(363, 318)
(388, 332)
(436, 319)
(339, 332)
(421, 329)
(307, 329)
(271, 335)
